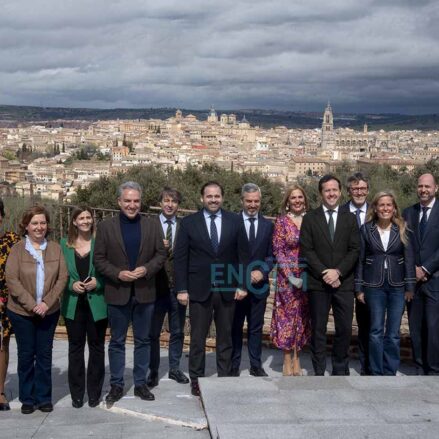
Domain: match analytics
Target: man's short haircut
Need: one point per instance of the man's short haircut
(250, 188)
(172, 193)
(132, 185)
(356, 178)
(212, 183)
(432, 175)
(327, 178)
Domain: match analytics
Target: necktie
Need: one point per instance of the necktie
(252, 232)
(423, 222)
(331, 224)
(213, 234)
(169, 233)
(357, 214)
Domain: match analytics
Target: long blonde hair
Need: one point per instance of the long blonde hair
(396, 219)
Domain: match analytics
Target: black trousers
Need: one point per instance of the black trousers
(251, 308)
(200, 316)
(363, 321)
(423, 314)
(83, 328)
(342, 304)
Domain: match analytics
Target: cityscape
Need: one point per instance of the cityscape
(51, 160)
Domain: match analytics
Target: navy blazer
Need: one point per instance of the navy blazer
(197, 269)
(258, 257)
(426, 250)
(399, 257)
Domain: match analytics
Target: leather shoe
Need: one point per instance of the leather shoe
(178, 375)
(195, 388)
(152, 380)
(77, 403)
(46, 407)
(143, 393)
(258, 372)
(27, 409)
(115, 393)
(93, 403)
(234, 372)
(4, 406)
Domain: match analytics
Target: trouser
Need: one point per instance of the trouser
(200, 315)
(386, 306)
(34, 337)
(251, 308)
(119, 317)
(176, 319)
(83, 328)
(363, 321)
(342, 304)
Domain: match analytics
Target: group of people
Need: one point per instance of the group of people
(136, 270)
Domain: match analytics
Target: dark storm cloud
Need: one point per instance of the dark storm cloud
(363, 56)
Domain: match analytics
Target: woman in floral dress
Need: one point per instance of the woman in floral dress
(290, 324)
(7, 240)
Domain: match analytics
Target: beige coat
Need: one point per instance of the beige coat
(21, 275)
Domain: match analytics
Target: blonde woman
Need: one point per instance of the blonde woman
(385, 279)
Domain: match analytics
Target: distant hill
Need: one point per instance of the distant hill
(11, 115)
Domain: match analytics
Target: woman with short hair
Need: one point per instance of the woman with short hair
(36, 275)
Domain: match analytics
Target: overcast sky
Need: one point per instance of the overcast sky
(363, 56)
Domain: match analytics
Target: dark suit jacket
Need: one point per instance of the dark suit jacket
(165, 277)
(345, 208)
(400, 260)
(258, 257)
(426, 251)
(198, 270)
(319, 252)
(111, 258)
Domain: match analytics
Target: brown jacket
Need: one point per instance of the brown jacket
(21, 275)
(111, 258)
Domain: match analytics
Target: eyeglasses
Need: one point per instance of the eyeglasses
(359, 189)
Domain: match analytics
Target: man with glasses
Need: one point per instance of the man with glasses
(358, 190)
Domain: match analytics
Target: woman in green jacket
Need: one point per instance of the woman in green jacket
(84, 310)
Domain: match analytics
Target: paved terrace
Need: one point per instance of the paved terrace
(273, 407)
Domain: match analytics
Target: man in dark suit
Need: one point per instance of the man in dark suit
(129, 252)
(166, 301)
(256, 262)
(358, 190)
(423, 219)
(205, 264)
(330, 246)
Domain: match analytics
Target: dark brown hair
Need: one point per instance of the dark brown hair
(72, 234)
(29, 214)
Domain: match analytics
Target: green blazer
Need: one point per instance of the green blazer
(95, 297)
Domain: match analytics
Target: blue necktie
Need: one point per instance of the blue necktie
(213, 234)
(252, 233)
(357, 214)
(423, 222)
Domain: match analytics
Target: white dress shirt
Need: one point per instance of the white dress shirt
(163, 220)
(247, 224)
(334, 215)
(363, 210)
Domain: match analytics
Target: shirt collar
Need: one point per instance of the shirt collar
(430, 206)
(325, 209)
(163, 219)
(246, 217)
(207, 214)
(353, 208)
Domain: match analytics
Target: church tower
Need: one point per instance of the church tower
(328, 128)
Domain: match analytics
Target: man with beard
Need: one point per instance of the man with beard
(205, 258)
(423, 219)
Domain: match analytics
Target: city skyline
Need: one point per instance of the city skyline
(369, 57)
